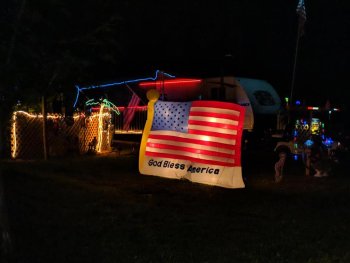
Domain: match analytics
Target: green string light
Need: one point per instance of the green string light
(106, 104)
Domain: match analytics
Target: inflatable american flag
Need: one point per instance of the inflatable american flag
(199, 140)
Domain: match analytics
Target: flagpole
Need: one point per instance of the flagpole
(295, 65)
(133, 92)
(301, 21)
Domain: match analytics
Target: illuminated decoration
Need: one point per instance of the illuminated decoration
(328, 142)
(137, 124)
(199, 141)
(308, 143)
(315, 126)
(128, 132)
(100, 129)
(135, 107)
(106, 104)
(80, 89)
(297, 102)
(121, 109)
(16, 134)
(91, 102)
(14, 140)
(179, 89)
(171, 82)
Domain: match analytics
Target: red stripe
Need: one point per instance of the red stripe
(214, 134)
(197, 160)
(217, 104)
(212, 124)
(210, 131)
(129, 113)
(213, 115)
(189, 149)
(188, 140)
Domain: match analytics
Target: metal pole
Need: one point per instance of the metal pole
(295, 65)
(43, 108)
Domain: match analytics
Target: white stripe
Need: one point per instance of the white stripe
(215, 110)
(190, 154)
(193, 145)
(194, 136)
(214, 120)
(212, 129)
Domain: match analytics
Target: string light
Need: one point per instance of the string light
(169, 82)
(29, 115)
(110, 106)
(91, 102)
(100, 129)
(312, 108)
(49, 116)
(79, 89)
(107, 104)
(14, 134)
(15, 114)
(128, 132)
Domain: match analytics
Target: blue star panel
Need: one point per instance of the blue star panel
(171, 116)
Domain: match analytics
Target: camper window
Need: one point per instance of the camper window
(264, 98)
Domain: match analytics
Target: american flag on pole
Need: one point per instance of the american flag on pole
(301, 12)
(129, 112)
(199, 140)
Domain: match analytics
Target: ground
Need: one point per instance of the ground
(100, 209)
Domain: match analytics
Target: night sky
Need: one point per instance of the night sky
(254, 39)
(192, 38)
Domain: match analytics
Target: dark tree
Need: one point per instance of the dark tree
(50, 45)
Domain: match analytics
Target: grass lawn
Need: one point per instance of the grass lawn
(100, 209)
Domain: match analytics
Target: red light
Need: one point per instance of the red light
(175, 89)
(138, 108)
(170, 82)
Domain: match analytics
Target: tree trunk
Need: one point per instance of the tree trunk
(5, 117)
(5, 239)
(43, 101)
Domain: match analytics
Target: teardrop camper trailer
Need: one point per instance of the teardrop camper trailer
(260, 99)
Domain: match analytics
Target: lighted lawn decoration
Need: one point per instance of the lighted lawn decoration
(104, 104)
(23, 129)
(199, 141)
(27, 138)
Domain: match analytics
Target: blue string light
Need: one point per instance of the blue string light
(117, 84)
